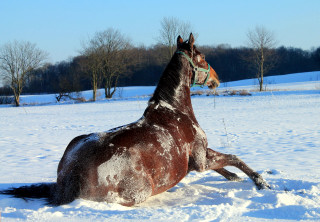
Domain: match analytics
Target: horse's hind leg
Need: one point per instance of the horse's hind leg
(216, 161)
(228, 175)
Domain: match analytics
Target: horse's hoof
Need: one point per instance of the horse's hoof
(263, 186)
(260, 182)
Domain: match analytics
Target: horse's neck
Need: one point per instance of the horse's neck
(174, 87)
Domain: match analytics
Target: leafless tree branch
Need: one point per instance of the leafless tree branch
(262, 43)
(107, 54)
(17, 60)
(171, 28)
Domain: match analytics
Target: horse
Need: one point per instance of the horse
(130, 163)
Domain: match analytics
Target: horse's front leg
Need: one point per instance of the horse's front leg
(216, 161)
(228, 175)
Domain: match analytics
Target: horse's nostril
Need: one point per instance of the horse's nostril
(213, 84)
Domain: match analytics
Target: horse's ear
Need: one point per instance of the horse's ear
(191, 40)
(179, 41)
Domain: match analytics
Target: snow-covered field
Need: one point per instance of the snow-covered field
(276, 133)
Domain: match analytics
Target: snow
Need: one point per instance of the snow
(275, 132)
(132, 92)
(296, 81)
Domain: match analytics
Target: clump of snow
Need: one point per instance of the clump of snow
(109, 170)
(275, 133)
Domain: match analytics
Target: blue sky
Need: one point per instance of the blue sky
(59, 26)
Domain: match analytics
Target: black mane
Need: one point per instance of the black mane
(168, 82)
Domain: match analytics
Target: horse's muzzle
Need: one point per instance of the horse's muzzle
(213, 84)
(213, 81)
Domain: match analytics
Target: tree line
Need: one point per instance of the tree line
(147, 65)
(109, 60)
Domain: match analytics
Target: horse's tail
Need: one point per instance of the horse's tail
(42, 190)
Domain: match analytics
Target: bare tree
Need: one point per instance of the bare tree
(171, 28)
(93, 65)
(262, 42)
(17, 60)
(108, 52)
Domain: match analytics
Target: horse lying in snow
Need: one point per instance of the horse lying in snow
(128, 164)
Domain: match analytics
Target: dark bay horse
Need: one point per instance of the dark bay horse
(128, 164)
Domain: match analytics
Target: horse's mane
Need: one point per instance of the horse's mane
(168, 82)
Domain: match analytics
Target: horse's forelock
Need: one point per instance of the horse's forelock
(186, 46)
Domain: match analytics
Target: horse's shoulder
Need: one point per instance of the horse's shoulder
(200, 134)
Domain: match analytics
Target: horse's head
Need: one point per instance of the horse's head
(203, 73)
